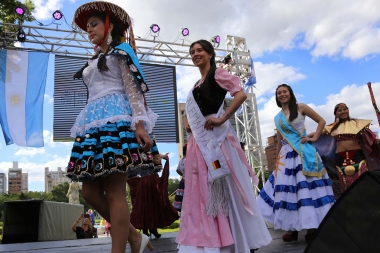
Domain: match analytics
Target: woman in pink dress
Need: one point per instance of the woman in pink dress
(219, 210)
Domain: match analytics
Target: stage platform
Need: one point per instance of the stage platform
(165, 244)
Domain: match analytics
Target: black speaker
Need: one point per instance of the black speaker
(353, 222)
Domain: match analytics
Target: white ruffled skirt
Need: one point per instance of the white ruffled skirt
(291, 200)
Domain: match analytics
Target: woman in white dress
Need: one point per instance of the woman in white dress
(299, 193)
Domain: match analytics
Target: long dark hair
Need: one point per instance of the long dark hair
(293, 107)
(117, 33)
(184, 149)
(337, 120)
(207, 46)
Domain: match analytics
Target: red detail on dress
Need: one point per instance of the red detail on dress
(151, 206)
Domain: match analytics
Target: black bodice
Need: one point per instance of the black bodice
(209, 95)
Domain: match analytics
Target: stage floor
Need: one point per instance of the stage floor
(165, 244)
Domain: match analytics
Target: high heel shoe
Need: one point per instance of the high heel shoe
(155, 233)
(290, 237)
(145, 243)
(145, 232)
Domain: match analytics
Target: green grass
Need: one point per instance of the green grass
(174, 227)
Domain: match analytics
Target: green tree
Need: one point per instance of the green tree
(59, 192)
(172, 185)
(8, 15)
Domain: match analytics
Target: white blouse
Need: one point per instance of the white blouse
(113, 95)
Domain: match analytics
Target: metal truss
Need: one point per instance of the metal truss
(76, 43)
(247, 122)
(236, 57)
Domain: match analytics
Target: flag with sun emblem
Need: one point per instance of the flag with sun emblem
(22, 88)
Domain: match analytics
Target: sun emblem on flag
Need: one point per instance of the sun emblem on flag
(279, 163)
(14, 99)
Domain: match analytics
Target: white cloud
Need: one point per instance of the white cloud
(186, 78)
(173, 173)
(315, 25)
(47, 99)
(30, 152)
(271, 75)
(44, 9)
(356, 97)
(36, 170)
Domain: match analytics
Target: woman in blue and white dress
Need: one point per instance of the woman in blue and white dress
(113, 132)
(299, 193)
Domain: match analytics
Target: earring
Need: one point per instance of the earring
(109, 38)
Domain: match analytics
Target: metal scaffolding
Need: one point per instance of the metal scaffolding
(75, 43)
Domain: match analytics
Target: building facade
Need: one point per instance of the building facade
(15, 179)
(24, 182)
(3, 183)
(271, 151)
(54, 178)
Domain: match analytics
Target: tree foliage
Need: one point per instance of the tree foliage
(8, 15)
(7, 11)
(172, 185)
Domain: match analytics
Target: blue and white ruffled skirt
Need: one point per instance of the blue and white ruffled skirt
(291, 200)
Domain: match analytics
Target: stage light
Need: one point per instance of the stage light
(216, 39)
(21, 36)
(185, 32)
(154, 28)
(57, 15)
(20, 10)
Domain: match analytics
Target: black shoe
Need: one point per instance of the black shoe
(145, 232)
(155, 233)
(253, 250)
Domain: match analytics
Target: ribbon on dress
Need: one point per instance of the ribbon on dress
(311, 163)
(209, 143)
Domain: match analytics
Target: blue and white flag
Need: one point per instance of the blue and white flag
(251, 81)
(22, 89)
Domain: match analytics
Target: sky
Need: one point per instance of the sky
(326, 50)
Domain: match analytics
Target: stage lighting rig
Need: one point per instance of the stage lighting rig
(215, 41)
(57, 15)
(20, 10)
(185, 32)
(155, 28)
(21, 36)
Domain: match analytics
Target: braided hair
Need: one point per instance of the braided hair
(207, 46)
(117, 34)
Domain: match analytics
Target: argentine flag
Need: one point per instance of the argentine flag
(22, 89)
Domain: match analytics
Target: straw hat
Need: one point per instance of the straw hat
(115, 12)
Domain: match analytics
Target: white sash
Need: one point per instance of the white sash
(209, 142)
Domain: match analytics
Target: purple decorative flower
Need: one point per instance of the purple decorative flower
(150, 157)
(144, 156)
(143, 86)
(133, 68)
(70, 166)
(135, 157)
(119, 161)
